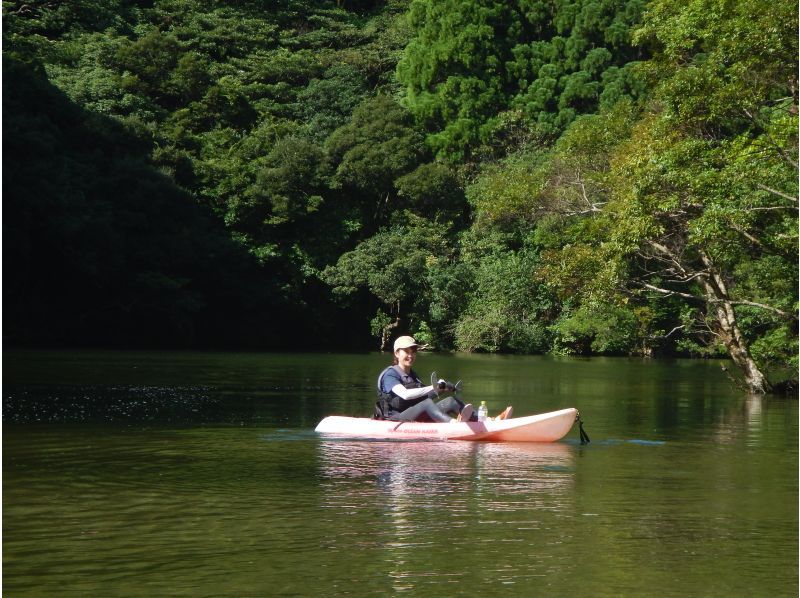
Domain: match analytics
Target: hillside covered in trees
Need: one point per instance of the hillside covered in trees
(573, 176)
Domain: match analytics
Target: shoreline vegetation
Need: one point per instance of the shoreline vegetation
(573, 177)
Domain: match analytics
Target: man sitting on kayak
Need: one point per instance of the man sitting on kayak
(402, 396)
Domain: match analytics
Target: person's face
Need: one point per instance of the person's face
(406, 357)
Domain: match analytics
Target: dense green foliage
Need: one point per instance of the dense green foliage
(232, 107)
(677, 214)
(575, 176)
(477, 70)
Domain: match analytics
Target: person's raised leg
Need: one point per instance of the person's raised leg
(450, 405)
(415, 411)
(466, 413)
(455, 406)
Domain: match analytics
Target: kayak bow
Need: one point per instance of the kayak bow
(545, 427)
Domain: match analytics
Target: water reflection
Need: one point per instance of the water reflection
(752, 409)
(432, 468)
(744, 421)
(420, 493)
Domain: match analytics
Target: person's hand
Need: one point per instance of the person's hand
(445, 385)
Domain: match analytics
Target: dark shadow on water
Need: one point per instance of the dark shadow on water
(289, 435)
(616, 441)
(149, 404)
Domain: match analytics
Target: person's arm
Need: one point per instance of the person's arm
(407, 394)
(391, 380)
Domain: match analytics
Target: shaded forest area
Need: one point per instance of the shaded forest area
(574, 177)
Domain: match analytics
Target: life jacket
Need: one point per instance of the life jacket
(388, 401)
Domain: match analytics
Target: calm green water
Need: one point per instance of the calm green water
(199, 474)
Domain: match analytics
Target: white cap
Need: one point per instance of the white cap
(405, 342)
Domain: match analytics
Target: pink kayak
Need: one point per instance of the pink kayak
(545, 427)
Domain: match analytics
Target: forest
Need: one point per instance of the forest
(572, 177)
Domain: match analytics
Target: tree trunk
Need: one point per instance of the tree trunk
(387, 330)
(719, 301)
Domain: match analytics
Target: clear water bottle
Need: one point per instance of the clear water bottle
(483, 412)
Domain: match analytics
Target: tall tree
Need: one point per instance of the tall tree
(373, 150)
(394, 266)
(714, 164)
(453, 67)
(699, 202)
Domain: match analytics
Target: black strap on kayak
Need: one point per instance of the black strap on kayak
(584, 435)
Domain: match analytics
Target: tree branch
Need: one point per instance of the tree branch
(671, 293)
(776, 192)
(780, 312)
(769, 208)
(746, 235)
(670, 333)
(593, 206)
(669, 257)
(773, 143)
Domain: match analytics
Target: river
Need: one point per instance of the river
(199, 474)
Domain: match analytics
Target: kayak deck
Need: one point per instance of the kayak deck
(544, 427)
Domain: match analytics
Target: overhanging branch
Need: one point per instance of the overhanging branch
(778, 193)
(673, 293)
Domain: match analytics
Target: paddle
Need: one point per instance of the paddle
(584, 435)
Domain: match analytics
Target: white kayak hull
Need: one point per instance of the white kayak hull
(545, 427)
